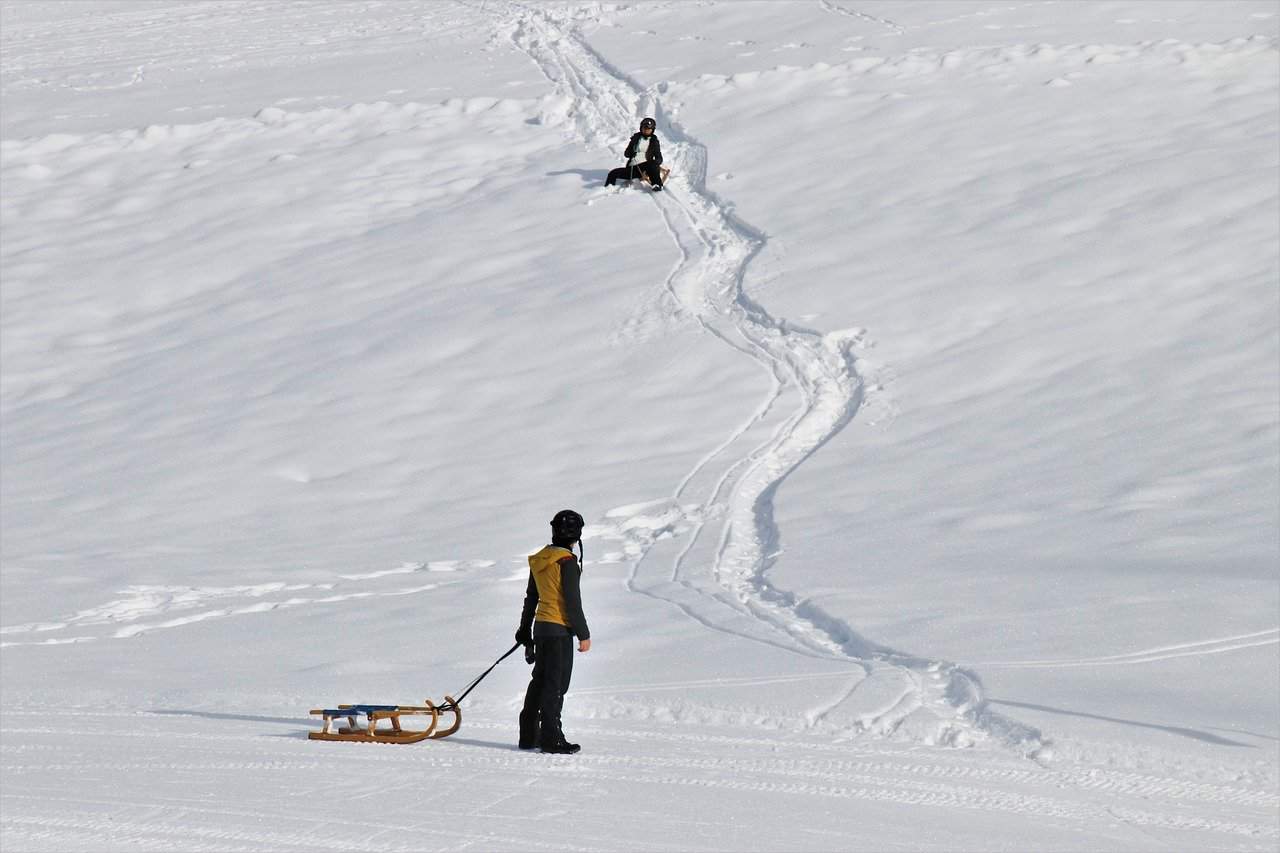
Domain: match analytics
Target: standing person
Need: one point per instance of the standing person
(644, 154)
(551, 618)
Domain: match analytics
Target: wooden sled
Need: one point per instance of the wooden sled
(644, 176)
(373, 714)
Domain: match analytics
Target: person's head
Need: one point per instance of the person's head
(566, 528)
(648, 126)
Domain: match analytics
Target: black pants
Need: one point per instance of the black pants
(626, 173)
(540, 718)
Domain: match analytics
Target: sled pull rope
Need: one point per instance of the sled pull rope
(451, 706)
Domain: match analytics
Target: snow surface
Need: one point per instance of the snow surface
(927, 427)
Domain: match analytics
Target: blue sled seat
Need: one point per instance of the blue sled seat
(357, 709)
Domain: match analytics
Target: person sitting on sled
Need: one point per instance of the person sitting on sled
(644, 155)
(552, 616)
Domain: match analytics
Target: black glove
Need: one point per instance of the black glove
(530, 653)
(524, 637)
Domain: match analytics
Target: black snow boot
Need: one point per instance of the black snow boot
(561, 747)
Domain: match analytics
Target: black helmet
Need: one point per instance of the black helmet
(567, 525)
(648, 123)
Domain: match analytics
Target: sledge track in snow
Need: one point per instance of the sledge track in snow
(894, 28)
(720, 575)
(807, 768)
(803, 758)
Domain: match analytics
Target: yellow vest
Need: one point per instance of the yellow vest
(545, 566)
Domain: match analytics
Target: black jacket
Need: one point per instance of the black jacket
(653, 155)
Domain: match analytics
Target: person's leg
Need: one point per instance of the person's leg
(551, 654)
(532, 700)
(654, 171)
(566, 669)
(566, 674)
(618, 174)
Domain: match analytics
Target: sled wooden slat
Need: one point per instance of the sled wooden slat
(373, 714)
(645, 177)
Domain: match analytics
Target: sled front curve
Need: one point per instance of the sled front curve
(644, 176)
(450, 704)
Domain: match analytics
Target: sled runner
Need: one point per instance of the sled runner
(375, 713)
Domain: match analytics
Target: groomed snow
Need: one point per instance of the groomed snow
(927, 427)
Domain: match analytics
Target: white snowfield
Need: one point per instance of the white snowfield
(927, 425)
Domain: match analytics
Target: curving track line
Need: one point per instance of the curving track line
(1269, 637)
(720, 575)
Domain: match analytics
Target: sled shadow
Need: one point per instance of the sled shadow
(590, 177)
(210, 715)
(248, 718)
(1194, 734)
(303, 732)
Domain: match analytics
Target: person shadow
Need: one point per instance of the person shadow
(507, 746)
(590, 177)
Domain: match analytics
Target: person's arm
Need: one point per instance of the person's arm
(524, 634)
(570, 584)
(631, 147)
(655, 151)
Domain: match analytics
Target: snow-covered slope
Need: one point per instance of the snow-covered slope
(926, 427)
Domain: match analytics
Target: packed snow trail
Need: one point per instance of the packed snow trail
(719, 575)
(684, 771)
